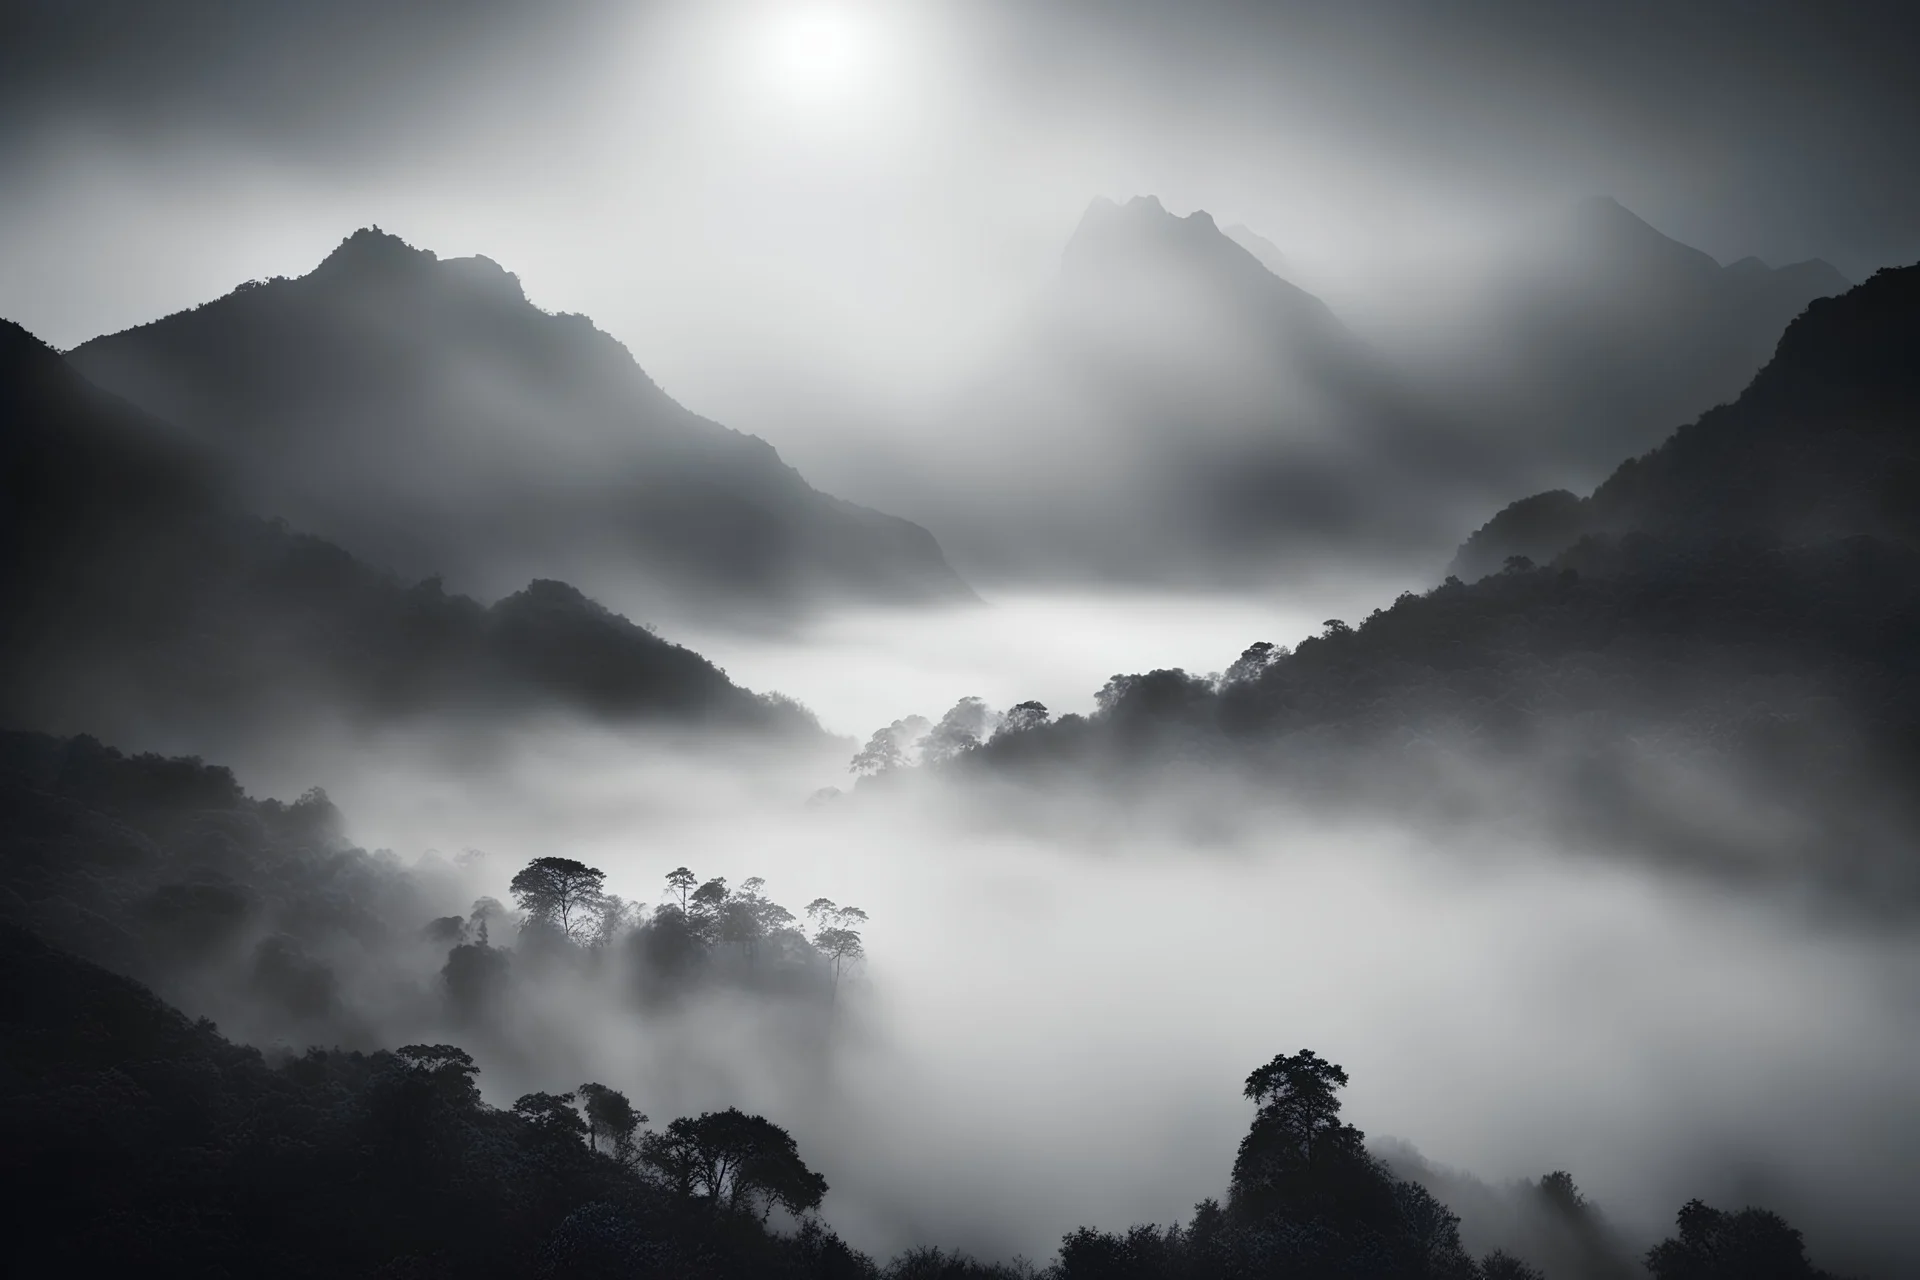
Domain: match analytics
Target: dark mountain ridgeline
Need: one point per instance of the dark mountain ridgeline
(139, 593)
(425, 415)
(1822, 444)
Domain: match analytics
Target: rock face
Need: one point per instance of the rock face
(1823, 444)
(425, 415)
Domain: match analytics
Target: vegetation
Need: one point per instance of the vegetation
(134, 1138)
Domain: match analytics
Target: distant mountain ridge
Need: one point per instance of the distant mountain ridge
(1823, 444)
(1594, 334)
(1172, 410)
(423, 413)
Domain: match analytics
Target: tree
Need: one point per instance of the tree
(475, 976)
(1253, 662)
(551, 1115)
(707, 905)
(484, 909)
(1298, 1159)
(1501, 1265)
(612, 1119)
(447, 1069)
(1022, 718)
(966, 724)
(835, 936)
(731, 1160)
(681, 882)
(747, 916)
(1751, 1244)
(617, 915)
(890, 748)
(562, 894)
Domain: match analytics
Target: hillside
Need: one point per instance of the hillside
(1172, 410)
(425, 415)
(1822, 444)
(1586, 336)
(140, 591)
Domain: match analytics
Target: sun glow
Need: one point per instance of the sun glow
(821, 50)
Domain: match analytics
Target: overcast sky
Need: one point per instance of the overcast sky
(772, 200)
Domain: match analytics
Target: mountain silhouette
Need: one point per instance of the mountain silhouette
(1821, 445)
(423, 413)
(138, 595)
(1260, 247)
(1174, 410)
(1594, 334)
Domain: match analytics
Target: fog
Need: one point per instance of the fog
(858, 669)
(1062, 993)
(1053, 1018)
(852, 228)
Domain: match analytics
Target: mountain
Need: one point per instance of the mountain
(1172, 410)
(1821, 445)
(428, 417)
(139, 595)
(1715, 661)
(1590, 335)
(1260, 247)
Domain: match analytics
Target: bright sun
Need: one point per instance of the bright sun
(820, 49)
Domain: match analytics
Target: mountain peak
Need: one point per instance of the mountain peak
(1111, 233)
(371, 249)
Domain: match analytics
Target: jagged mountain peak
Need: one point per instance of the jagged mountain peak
(371, 249)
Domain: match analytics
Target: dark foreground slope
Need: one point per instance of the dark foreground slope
(425, 415)
(138, 592)
(1824, 443)
(134, 1140)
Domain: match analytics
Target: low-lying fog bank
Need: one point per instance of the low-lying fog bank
(865, 667)
(1051, 1028)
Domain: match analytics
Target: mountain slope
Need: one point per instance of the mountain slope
(1173, 410)
(1590, 336)
(1824, 443)
(137, 593)
(427, 416)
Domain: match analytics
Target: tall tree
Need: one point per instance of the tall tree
(681, 883)
(612, 1119)
(563, 894)
(835, 935)
(733, 1161)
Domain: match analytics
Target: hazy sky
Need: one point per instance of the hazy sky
(821, 202)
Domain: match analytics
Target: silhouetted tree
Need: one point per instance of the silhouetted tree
(681, 883)
(890, 748)
(562, 894)
(1022, 717)
(612, 1119)
(965, 726)
(1749, 1244)
(1501, 1265)
(731, 1159)
(552, 1114)
(835, 935)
